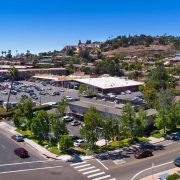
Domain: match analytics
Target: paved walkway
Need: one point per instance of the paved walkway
(162, 175)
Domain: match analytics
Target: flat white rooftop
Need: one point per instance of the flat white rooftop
(109, 82)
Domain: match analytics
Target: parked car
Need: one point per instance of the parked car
(177, 162)
(34, 97)
(73, 137)
(42, 93)
(69, 98)
(21, 152)
(4, 92)
(173, 136)
(68, 118)
(143, 153)
(75, 123)
(18, 138)
(24, 96)
(57, 93)
(146, 145)
(13, 92)
(128, 92)
(79, 142)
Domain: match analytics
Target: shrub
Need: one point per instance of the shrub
(157, 135)
(115, 144)
(126, 142)
(173, 177)
(65, 143)
(156, 131)
(143, 139)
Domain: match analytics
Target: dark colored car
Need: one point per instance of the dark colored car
(146, 145)
(18, 138)
(143, 153)
(21, 152)
(177, 162)
(24, 96)
(74, 138)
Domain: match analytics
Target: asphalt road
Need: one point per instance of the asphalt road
(127, 170)
(7, 147)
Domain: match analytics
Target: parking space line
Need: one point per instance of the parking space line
(92, 167)
(89, 172)
(97, 174)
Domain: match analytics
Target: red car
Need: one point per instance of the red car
(21, 152)
(142, 154)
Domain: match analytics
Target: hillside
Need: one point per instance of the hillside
(142, 45)
(141, 50)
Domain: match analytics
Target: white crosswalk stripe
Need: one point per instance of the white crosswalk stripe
(74, 164)
(103, 177)
(77, 167)
(92, 167)
(97, 174)
(89, 172)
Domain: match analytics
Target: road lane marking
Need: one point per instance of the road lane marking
(82, 166)
(29, 162)
(142, 160)
(92, 167)
(102, 164)
(150, 169)
(74, 164)
(113, 179)
(103, 177)
(25, 170)
(97, 174)
(88, 172)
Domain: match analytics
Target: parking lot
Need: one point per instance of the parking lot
(37, 89)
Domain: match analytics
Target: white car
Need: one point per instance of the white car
(79, 142)
(68, 118)
(75, 123)
(128, 92)
(69, 98)
(4, 92)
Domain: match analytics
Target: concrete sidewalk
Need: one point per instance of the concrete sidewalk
(162, 175)
(156, 140)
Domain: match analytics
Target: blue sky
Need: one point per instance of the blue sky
(43, 25)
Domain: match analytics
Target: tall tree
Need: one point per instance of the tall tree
(90, 131)
(13, 73)
(41, 126)
(127, 121)
(61, 107)
(65, 143)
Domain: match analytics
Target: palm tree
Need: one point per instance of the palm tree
(13, 72)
